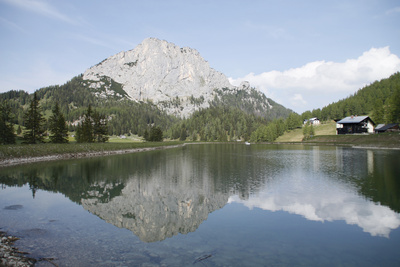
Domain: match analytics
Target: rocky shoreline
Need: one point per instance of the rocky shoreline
(10, 255)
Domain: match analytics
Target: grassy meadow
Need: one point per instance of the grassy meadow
(296, 135)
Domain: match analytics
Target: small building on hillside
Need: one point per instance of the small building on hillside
(355, 125)
(312, 121)
(391, 127)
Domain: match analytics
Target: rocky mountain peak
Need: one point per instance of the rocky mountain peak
(178, 80)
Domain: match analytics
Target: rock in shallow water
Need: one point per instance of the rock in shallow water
(14, 207)
(11, 256)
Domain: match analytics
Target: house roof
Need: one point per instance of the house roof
(387, 126)
(379, 126)
(353, 119)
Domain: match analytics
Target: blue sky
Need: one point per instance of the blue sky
(302, 54)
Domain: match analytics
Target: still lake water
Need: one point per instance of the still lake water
(209, 205)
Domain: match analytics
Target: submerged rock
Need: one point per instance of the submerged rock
(10, 255)
(14, 207)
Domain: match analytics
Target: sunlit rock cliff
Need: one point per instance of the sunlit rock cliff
(178, 80)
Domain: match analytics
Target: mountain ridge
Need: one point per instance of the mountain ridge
(177, 91)
(177, 80)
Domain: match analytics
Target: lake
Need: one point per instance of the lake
(209, 205)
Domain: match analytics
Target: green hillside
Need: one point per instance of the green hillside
(230, 115)
(380, 100)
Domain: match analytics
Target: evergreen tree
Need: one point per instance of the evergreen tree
(155, 135)
(78, 133)
(146, 135)
(93, 127)
(293, 121)
(183, 134)
(7, 135)
(34, 122)
(57, 126)
(308, 131)
(100, 129)
(378, 112)
(194, 136)
(84, 131)
(393, 113)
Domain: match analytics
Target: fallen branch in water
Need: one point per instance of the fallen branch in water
(202, 258)
(49, 260)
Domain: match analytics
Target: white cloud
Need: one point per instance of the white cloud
(41, 8)
(319, 83)
(298, 101)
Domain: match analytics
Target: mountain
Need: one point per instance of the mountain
(158, 83)
(177, 80)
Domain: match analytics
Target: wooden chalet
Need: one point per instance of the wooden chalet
(355, 125)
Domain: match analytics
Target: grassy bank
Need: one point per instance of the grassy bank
(296, 135)
(48, 149)
(326, 134)
(386, 140)
(71, 150)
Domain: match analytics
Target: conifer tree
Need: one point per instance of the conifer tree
(378, 112)
(183, 135)
(155, 135)
(57, 126)
(84, 131)
(308, 131)
(34, 122)
(92, 128)
(393, 113)
(146, 135)
(7, 135)
(100, 130)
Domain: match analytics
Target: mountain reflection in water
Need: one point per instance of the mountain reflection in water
(159, 204)
(159, 194)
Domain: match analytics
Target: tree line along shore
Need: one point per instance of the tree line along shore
(19, 154)
(227, 118)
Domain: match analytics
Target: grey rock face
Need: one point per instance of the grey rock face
(178, 80)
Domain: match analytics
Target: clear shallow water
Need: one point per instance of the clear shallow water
(233, 205)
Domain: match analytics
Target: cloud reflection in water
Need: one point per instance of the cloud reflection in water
(321, 199)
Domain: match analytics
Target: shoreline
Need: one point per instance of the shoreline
(26, 160)
(33, 159)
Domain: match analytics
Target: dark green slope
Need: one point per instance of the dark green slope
(238, 111)
(380, 100)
